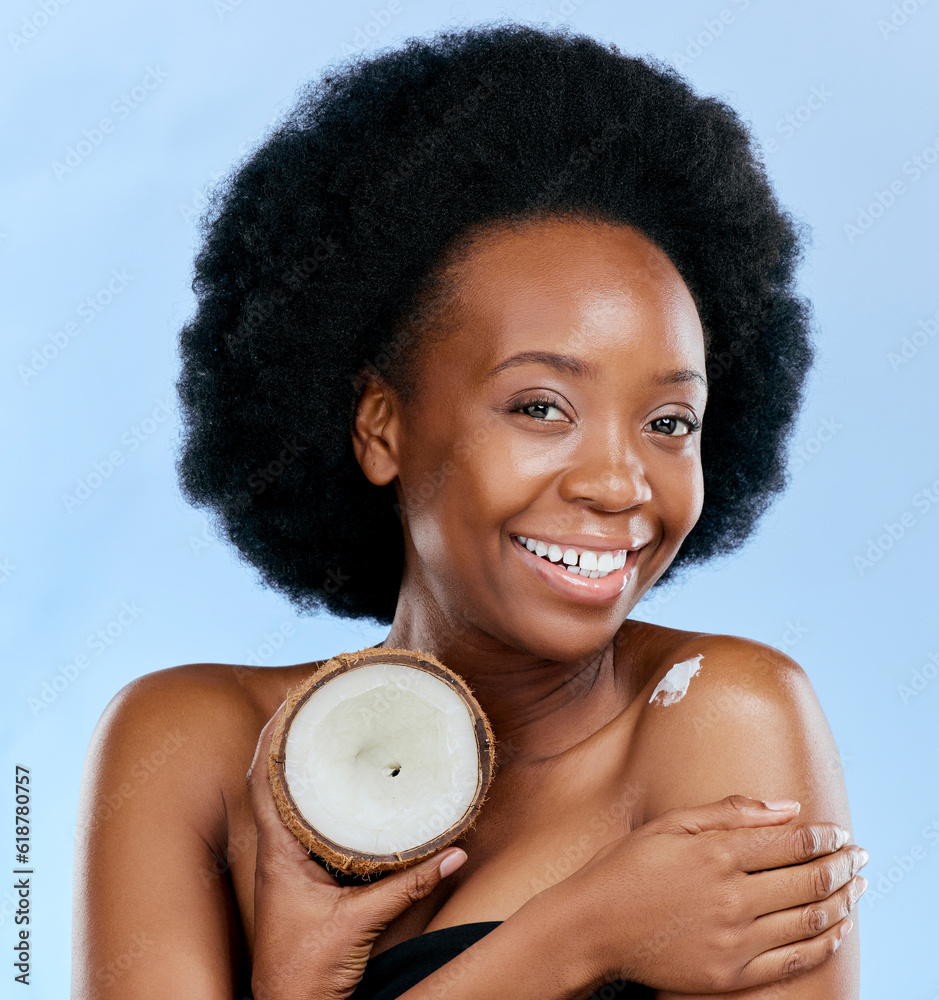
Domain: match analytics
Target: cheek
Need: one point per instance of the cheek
(457, 498)
(681, 496)
(445, 482)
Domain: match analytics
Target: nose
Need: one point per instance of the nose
(608, 473)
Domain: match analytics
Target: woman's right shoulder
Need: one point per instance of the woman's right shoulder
(210, 705)
(190, 730)
(163, 780)
(198, 701)
(172, 734)
(188, 689)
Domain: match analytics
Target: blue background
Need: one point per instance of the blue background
(106, 244)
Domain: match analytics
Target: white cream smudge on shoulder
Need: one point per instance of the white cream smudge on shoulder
(674, 684)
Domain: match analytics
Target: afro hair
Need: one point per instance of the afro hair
(322, 257)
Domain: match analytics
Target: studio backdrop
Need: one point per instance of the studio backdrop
(117, 121)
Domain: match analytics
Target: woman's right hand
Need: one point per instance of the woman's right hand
(312, 936)
(715, 898)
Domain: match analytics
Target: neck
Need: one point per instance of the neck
(538, 708)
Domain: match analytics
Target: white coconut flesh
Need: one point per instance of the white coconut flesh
(383, 758)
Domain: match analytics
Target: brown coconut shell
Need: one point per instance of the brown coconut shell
(338, 856)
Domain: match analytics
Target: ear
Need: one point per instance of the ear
(375, 432)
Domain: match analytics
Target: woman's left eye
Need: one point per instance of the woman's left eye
(676, 426)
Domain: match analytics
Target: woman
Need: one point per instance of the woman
(459, 321)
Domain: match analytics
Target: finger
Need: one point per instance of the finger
(811, 882)
(780, 963)
(794, 844)
(799, 923)
(729, 813)
(379, 903)
(280, 854)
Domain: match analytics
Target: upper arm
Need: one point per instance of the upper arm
(750, 724)
(150, 920)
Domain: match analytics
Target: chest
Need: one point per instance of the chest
(537, 827)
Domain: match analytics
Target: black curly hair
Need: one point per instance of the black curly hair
(324, 256)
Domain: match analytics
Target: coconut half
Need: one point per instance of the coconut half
(380, 759)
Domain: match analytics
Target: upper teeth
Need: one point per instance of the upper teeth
(585, 562)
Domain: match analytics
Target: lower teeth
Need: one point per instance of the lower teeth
(594, 574)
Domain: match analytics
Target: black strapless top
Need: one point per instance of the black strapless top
(400, 967)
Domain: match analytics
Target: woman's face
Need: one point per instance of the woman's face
(560, 411)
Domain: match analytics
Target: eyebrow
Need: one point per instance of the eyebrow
(569, 365)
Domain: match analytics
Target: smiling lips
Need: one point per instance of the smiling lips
(581, 573)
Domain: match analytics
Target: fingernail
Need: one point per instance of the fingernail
(843, 837)
(845, 927)
(451, 862)
(863, 857)
(780, 805)
(862, 885)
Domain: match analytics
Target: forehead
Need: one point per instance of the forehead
(584, 286)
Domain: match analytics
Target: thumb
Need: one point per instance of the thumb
(379, 903)
(730, 813)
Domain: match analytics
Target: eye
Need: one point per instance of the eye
(539, 408)
(676, 426)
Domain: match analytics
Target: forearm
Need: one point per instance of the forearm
(534, 955)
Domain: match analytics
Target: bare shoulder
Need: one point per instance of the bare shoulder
(176, 732)
(184, 690)
(724, 715)
(199, 701)
(210, 712)
(164, 774)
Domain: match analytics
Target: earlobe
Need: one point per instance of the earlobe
(375, 433)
